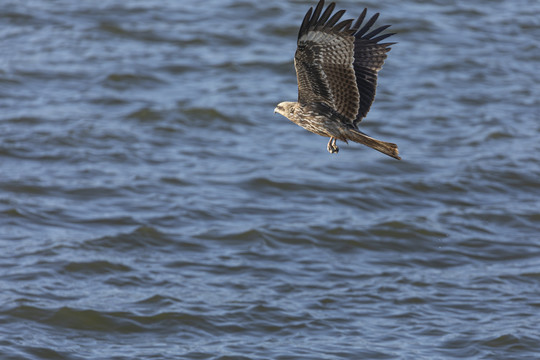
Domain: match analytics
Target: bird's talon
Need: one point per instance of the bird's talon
(332, 149)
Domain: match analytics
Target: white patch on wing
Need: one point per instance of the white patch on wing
(320, 38)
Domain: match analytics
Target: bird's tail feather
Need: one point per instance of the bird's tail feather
(384, 147)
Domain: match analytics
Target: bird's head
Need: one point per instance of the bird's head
(286, 108)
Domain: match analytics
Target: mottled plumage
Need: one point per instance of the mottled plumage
(336, 66)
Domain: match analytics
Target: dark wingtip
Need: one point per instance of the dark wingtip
(316, 14)
(344, 25)
(334, 19)
(317, 18)
(329, 9)
(376, 31)
(359, 21)
(382, 37)
(366, 27)
(305, 23)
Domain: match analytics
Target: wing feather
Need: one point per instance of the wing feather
(316, 14)
(369, 24)
(344, 25)
(376, 31)
(359, 21)
(327, 13)
(334, 19)
(305, 23)
(382, 37)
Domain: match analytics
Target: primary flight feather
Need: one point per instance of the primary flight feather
(337, 63)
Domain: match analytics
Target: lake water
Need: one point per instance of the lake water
(152, 206)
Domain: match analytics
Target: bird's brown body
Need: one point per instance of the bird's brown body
(336, 67)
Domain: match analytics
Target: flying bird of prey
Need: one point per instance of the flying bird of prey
(336, 67)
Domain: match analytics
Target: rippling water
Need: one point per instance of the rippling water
(153, 207)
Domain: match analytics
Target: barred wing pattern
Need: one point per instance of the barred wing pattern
(337, 62)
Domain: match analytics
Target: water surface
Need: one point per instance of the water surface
(152, 206)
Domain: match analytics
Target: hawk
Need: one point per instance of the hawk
(336, 66)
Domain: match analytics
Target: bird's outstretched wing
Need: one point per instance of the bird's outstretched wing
(324, 61)
(337, 62)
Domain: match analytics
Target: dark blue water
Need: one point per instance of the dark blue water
(152, 206)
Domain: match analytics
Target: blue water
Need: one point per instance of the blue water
(152, 206)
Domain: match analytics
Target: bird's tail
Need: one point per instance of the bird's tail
(384, 147)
